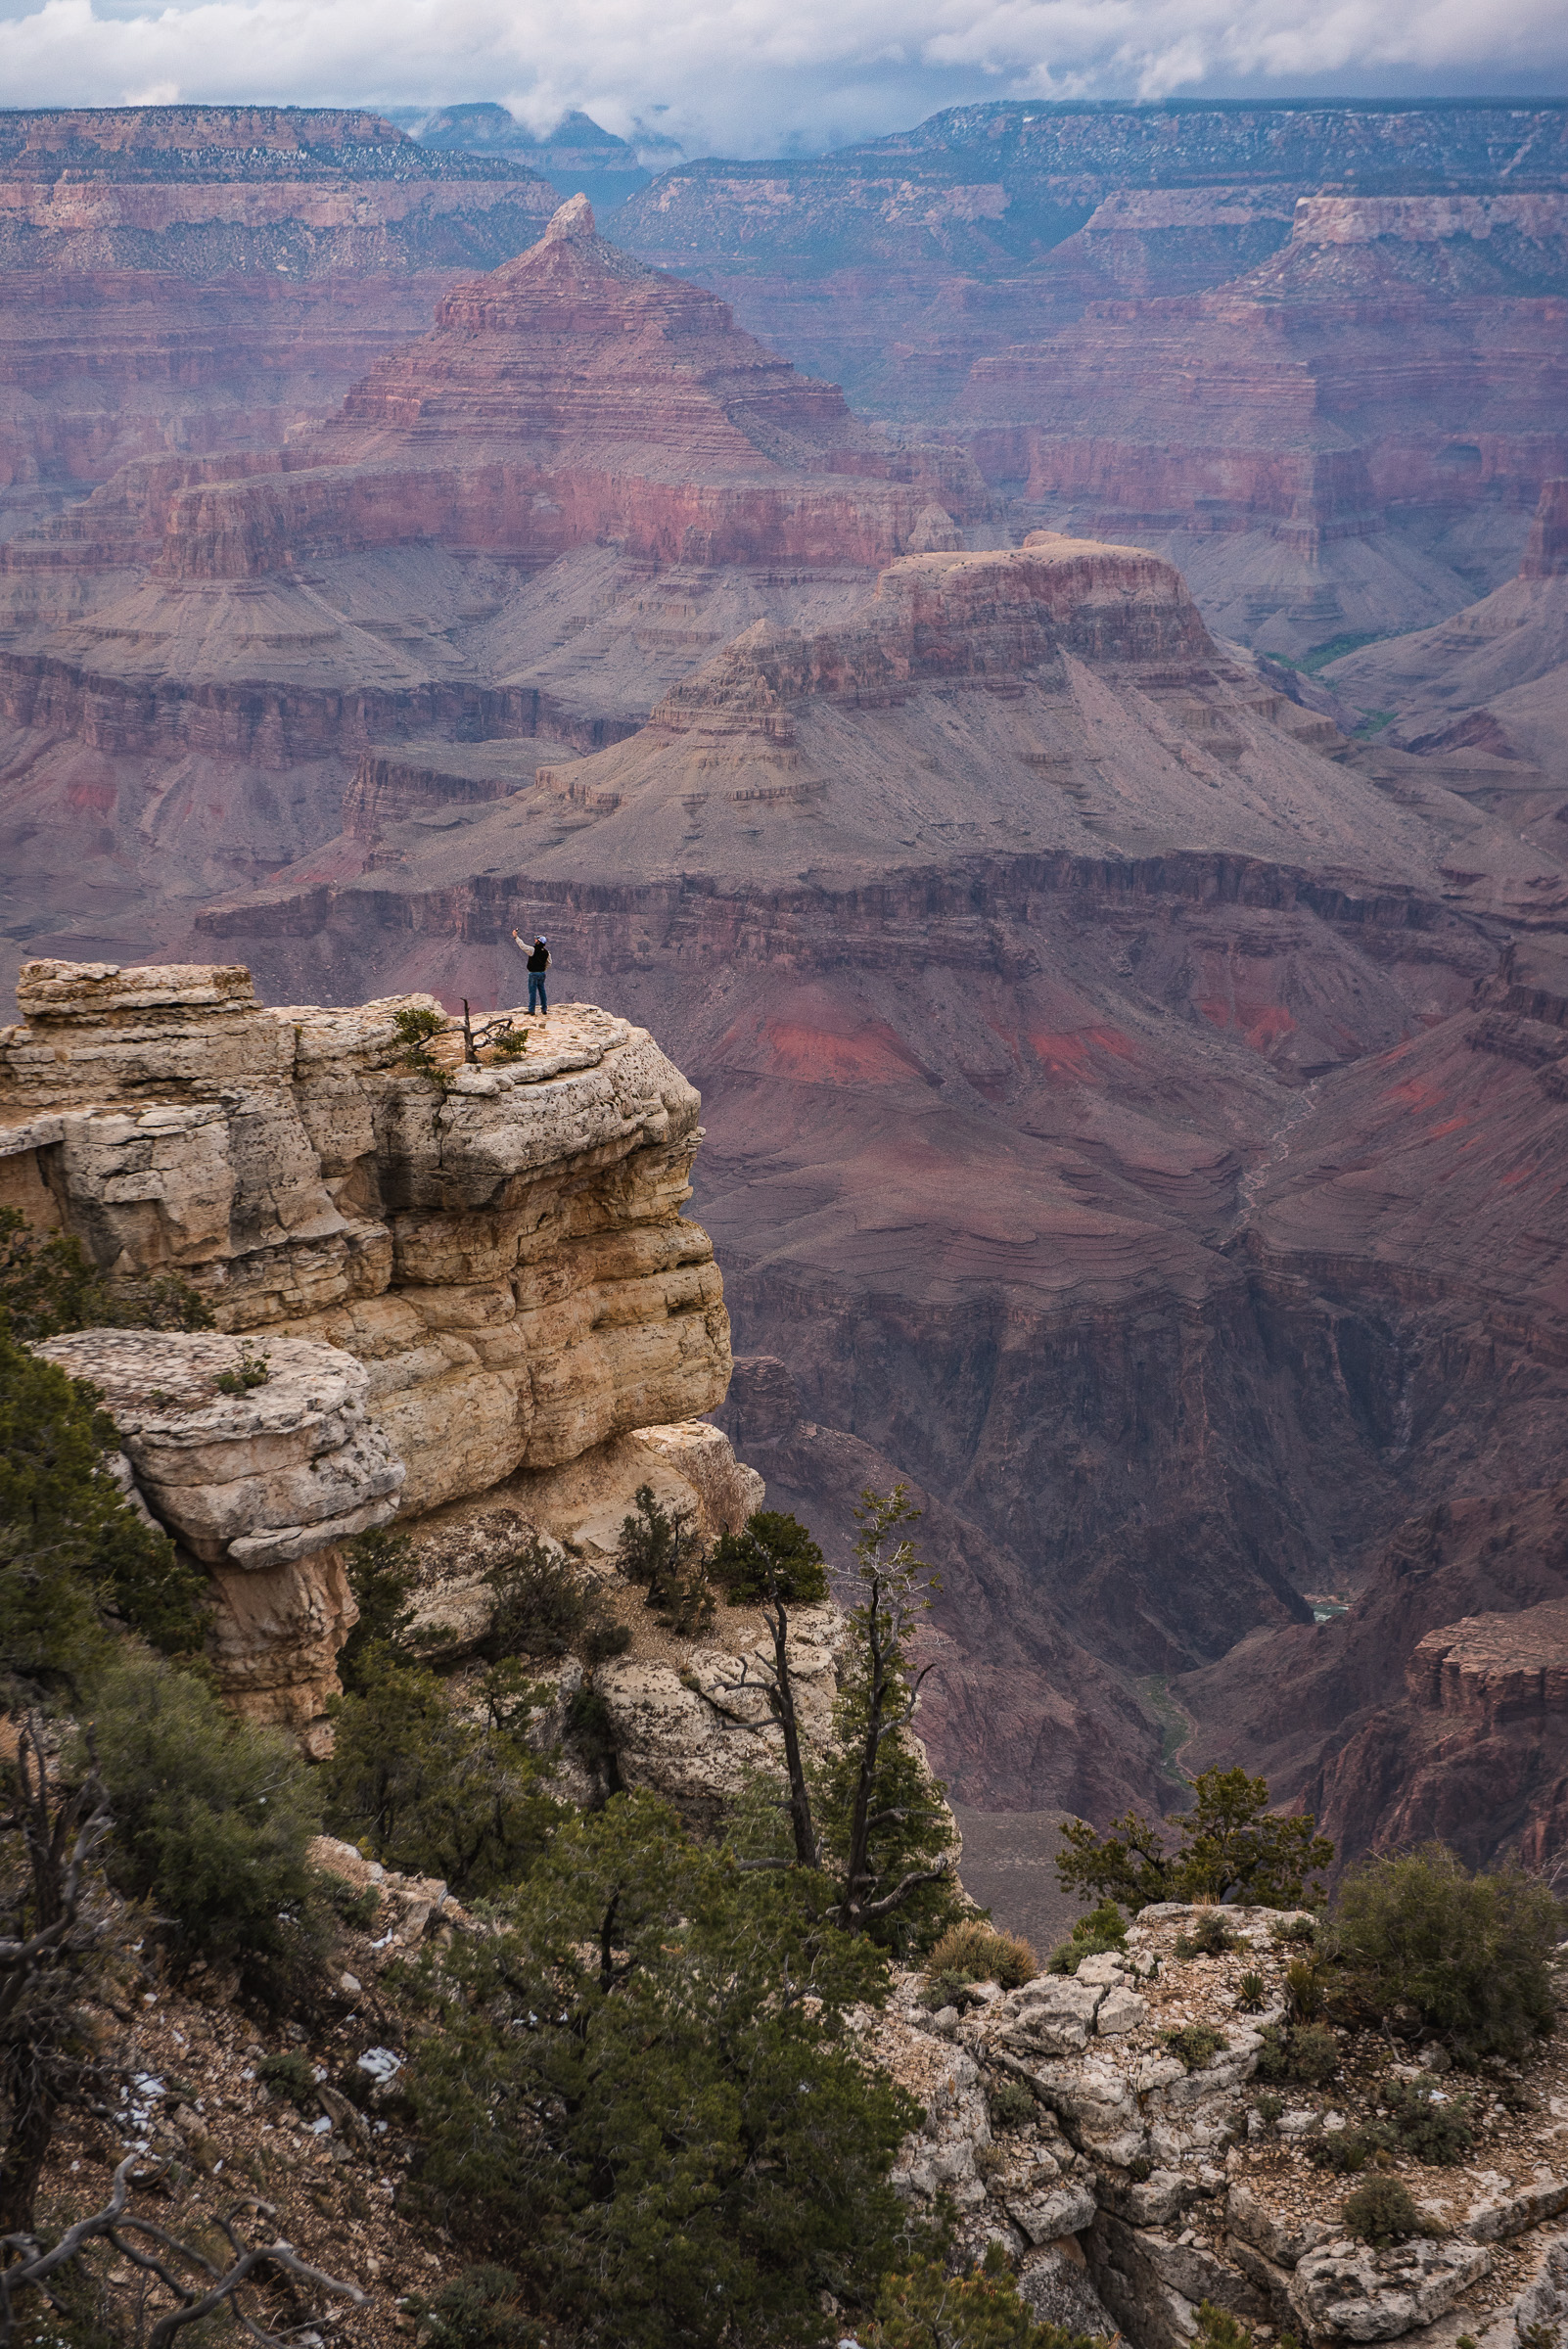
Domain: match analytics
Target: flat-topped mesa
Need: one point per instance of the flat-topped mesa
(995, 616)
(571, 397)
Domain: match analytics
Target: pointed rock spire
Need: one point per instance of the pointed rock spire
(573, 218)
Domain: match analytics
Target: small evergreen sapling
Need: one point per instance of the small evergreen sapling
(663, 1551)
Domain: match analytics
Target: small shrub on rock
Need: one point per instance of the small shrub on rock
(546, 1606)
(1380, 2213)
(1209, 1937)
(1250, 1993)
(1344, 2152)
(928, 2309)
(292, 2076)
(1097, 1935)
(1218, 2329)
(1194, 2044)
(1427, 2125)
(479, 2309)
(1470, 1955)
(662, 1550)
(1009, 2104)
(1308, 2054)
(977, 1951)
(1303, 1990)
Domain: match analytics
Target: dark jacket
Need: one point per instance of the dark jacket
(539, 959)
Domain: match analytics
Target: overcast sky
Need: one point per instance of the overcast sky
(765, 76)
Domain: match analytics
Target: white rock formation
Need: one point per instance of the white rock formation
(261, 1485)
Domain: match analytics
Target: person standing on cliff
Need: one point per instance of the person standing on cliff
(538, 962)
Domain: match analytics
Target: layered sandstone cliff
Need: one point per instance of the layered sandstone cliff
(1400, 353)
(452, 1284)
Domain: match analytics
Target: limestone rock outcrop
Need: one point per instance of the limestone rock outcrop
(457, 1277)
(1148, 2171)
(260, 1482)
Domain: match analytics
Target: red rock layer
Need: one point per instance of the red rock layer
(575, 395)
(1399, 350)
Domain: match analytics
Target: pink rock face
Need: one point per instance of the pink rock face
(575, 394)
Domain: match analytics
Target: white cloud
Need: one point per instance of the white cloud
(755, 77)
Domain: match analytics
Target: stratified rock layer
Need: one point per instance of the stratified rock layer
(491, 1270)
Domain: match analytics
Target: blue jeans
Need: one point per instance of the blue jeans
(536, 1001)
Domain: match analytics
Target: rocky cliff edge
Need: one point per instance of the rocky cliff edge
(471, 1294)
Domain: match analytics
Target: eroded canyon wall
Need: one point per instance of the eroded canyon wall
(190, 278)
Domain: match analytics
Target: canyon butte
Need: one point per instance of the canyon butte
(1131, 1062)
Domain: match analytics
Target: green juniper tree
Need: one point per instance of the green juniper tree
(74, 1559)
(641, 2094)
(1229, 1847)
(435, 1792)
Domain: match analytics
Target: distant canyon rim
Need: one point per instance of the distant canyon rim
(1083, 802)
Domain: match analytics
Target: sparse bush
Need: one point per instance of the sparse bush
(48, 1286)
(1294, 1932)
(1097, 1935)
(250, 1370)
(947, 1988)
(1470, 1955)
(1344, 2152)
(1218, 2329)
(1303, 1990)
(292, 2076)
(928, 2308)
(1209, 1937)
(605, 1639)
(1427, 2125)
(546, 1606)
(479, 2309)
(1194, 2044)
(436, 1794)
(1308, 2054)
(1380, 2213)
(662, 1550)
(1009, 2103)
(977, 1951)
(1251, 1992)
(212, 1816)
(382, 1576)
(1270, 2108)
(772, 1557)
